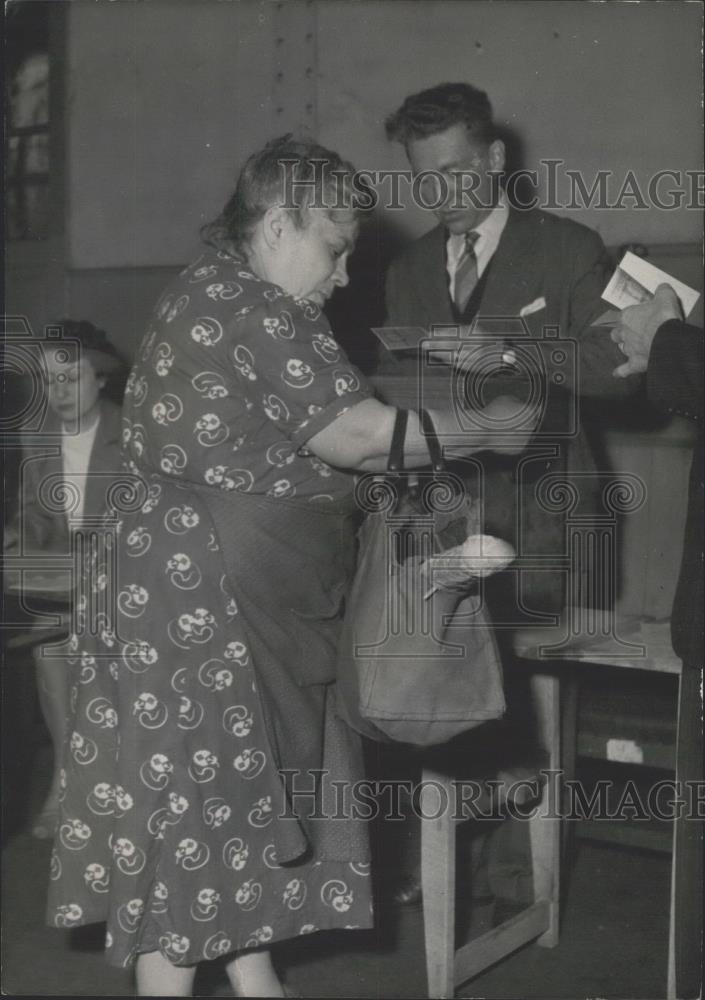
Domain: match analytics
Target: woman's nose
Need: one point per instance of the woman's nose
(340, 275)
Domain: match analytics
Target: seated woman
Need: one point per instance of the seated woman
(85, 422)
(204, 735)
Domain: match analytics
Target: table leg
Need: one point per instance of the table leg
(685, 928)
(545, 824)
(569, 702)
(671, 967)
(438, 881)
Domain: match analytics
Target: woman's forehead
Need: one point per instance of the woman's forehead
(65, 356)
(336, 221)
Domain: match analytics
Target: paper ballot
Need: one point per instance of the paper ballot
(410, 338)
(635, 281)
(401, 338)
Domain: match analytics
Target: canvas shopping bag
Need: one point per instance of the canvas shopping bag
(413, 666)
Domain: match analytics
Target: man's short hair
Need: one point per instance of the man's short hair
(439, 108)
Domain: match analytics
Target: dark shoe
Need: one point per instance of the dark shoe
(409, 893)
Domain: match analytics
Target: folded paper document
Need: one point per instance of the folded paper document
(635, 281)
(400, 338)
(447, 337)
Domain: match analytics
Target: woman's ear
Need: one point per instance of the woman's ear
(275, 222)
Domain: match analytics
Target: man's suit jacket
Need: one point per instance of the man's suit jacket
(674, 381)
(539, 257)
(44, 530)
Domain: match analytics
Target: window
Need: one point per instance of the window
(27, 135)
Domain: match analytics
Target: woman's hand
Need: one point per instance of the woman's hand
(510, 424)
(638, 327)
(504, 426)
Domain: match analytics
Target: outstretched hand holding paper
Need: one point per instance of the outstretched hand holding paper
(635, 281)
(637, 328)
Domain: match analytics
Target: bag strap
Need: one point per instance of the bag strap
(395, 462)
(432, 443)
(396, 449)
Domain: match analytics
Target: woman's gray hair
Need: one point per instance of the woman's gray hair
(296, 173)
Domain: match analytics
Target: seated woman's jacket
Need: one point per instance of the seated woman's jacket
(42, 521)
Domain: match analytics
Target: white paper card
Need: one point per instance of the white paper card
(624, 751)
(635, 281)
(400, 338)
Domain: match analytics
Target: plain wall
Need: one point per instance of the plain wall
(167, 97)
(601, 86)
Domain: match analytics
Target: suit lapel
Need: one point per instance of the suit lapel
(516, 270)
(474, 303)
(432, 280)
(514, 277)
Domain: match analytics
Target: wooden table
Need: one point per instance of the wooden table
(597, 637)
(577, 636)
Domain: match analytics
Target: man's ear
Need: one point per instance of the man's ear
(274, 223)
(497, 155)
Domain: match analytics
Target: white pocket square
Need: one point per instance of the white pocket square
(533, 307)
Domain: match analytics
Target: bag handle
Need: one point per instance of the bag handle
(432, 443)
(396, 449)
(395, 462)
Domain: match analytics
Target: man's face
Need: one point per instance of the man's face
(469, 193)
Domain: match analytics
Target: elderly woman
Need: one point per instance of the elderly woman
(197, 816)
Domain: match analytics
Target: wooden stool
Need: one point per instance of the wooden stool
(446, 967)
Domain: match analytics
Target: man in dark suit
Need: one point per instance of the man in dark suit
(528, 285)
(655, 340)
(536, 275)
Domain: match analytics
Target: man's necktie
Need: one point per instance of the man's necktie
(466, 272)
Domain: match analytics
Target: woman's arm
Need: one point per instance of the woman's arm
(360, 438)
